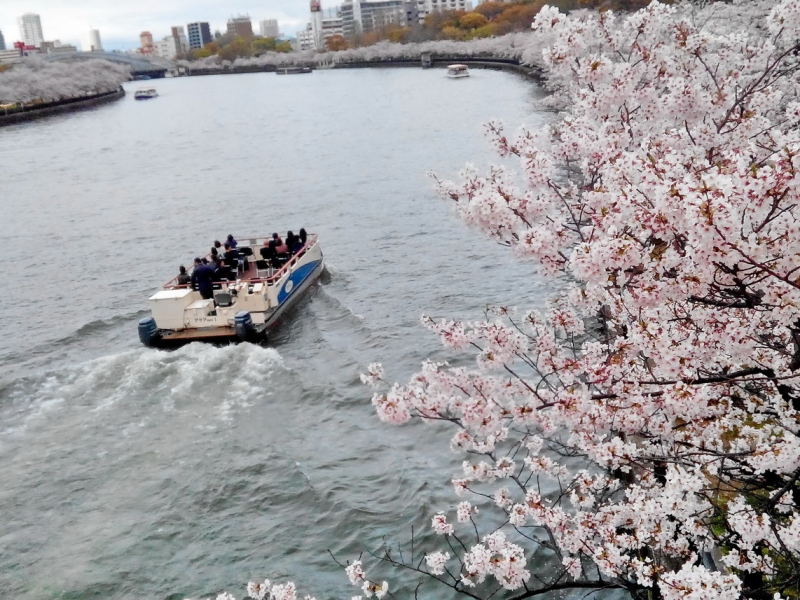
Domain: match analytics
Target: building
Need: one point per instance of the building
(322, 27)
(269, 28)
(172, 46)
(25, 50)
(146, 43)
(56, 47)
(180, 41)
(199, 35)
(7, 56)
(364, 16)
(91, 41)
(30, 30)
(305, 40)
(2, 42)
(240, 26)
(426, 7)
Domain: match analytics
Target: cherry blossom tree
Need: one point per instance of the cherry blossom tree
(37, 79)
(641, 434)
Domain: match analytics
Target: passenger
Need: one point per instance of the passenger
(184, 277)
(268, 251)
(281, 247)
(204, 260)
(290, 242)
(217, 245)
(222, 271)
(274, 260)
(277, 238)
(299, 242)
(214, 251)
(303, 236)
(232, 242)
(231, 255)
(202, 279)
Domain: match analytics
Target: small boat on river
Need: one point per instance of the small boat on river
(457, 71)
(243, 308)
(145, 93)
(292, 70)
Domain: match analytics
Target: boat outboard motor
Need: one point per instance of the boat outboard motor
(147, 331)
(243, 326)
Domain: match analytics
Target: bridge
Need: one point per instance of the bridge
(152, 67)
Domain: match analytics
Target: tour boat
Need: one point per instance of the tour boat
(293, 70)
(457, 71)
(145, 93)
(242, 309)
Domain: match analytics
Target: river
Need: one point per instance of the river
(128, 472)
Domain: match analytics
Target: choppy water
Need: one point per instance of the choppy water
(133, 473)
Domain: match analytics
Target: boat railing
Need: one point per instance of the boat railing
(277, 275)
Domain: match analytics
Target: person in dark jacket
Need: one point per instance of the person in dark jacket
(303, 236)
(203, 279)
(232, 242)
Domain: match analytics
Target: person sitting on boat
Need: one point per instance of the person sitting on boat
(222, 272)
(281, 247)
(303, 236)
(268, 250)
(203, 279)
(291, 240)
(277, 238)
(232, 242)
(183, 277)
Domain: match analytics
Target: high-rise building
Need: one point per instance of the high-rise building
(2, 42)
(146, 43)
(199, 35)
(269, 28)
(30, 29)
(320, 28)
(240, 26)
(91, 41)
(179, 40)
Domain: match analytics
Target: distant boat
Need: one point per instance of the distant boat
(145, 93)
(457, 71)
(293, 70)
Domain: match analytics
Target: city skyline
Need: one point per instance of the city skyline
(120, 25)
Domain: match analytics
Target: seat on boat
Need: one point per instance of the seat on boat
(223, 299)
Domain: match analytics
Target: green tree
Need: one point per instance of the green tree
(261, 45)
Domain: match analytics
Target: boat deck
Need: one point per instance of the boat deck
(252, 272)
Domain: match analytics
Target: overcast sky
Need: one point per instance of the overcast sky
(121, 22)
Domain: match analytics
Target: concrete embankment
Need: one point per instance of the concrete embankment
(505, 64)
(53, 108)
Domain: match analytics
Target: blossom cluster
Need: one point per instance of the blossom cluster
(37, 79)
(670, 368)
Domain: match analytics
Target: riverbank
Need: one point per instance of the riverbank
(503, 64)
(39, 111)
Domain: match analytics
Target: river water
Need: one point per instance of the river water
(127, 472)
